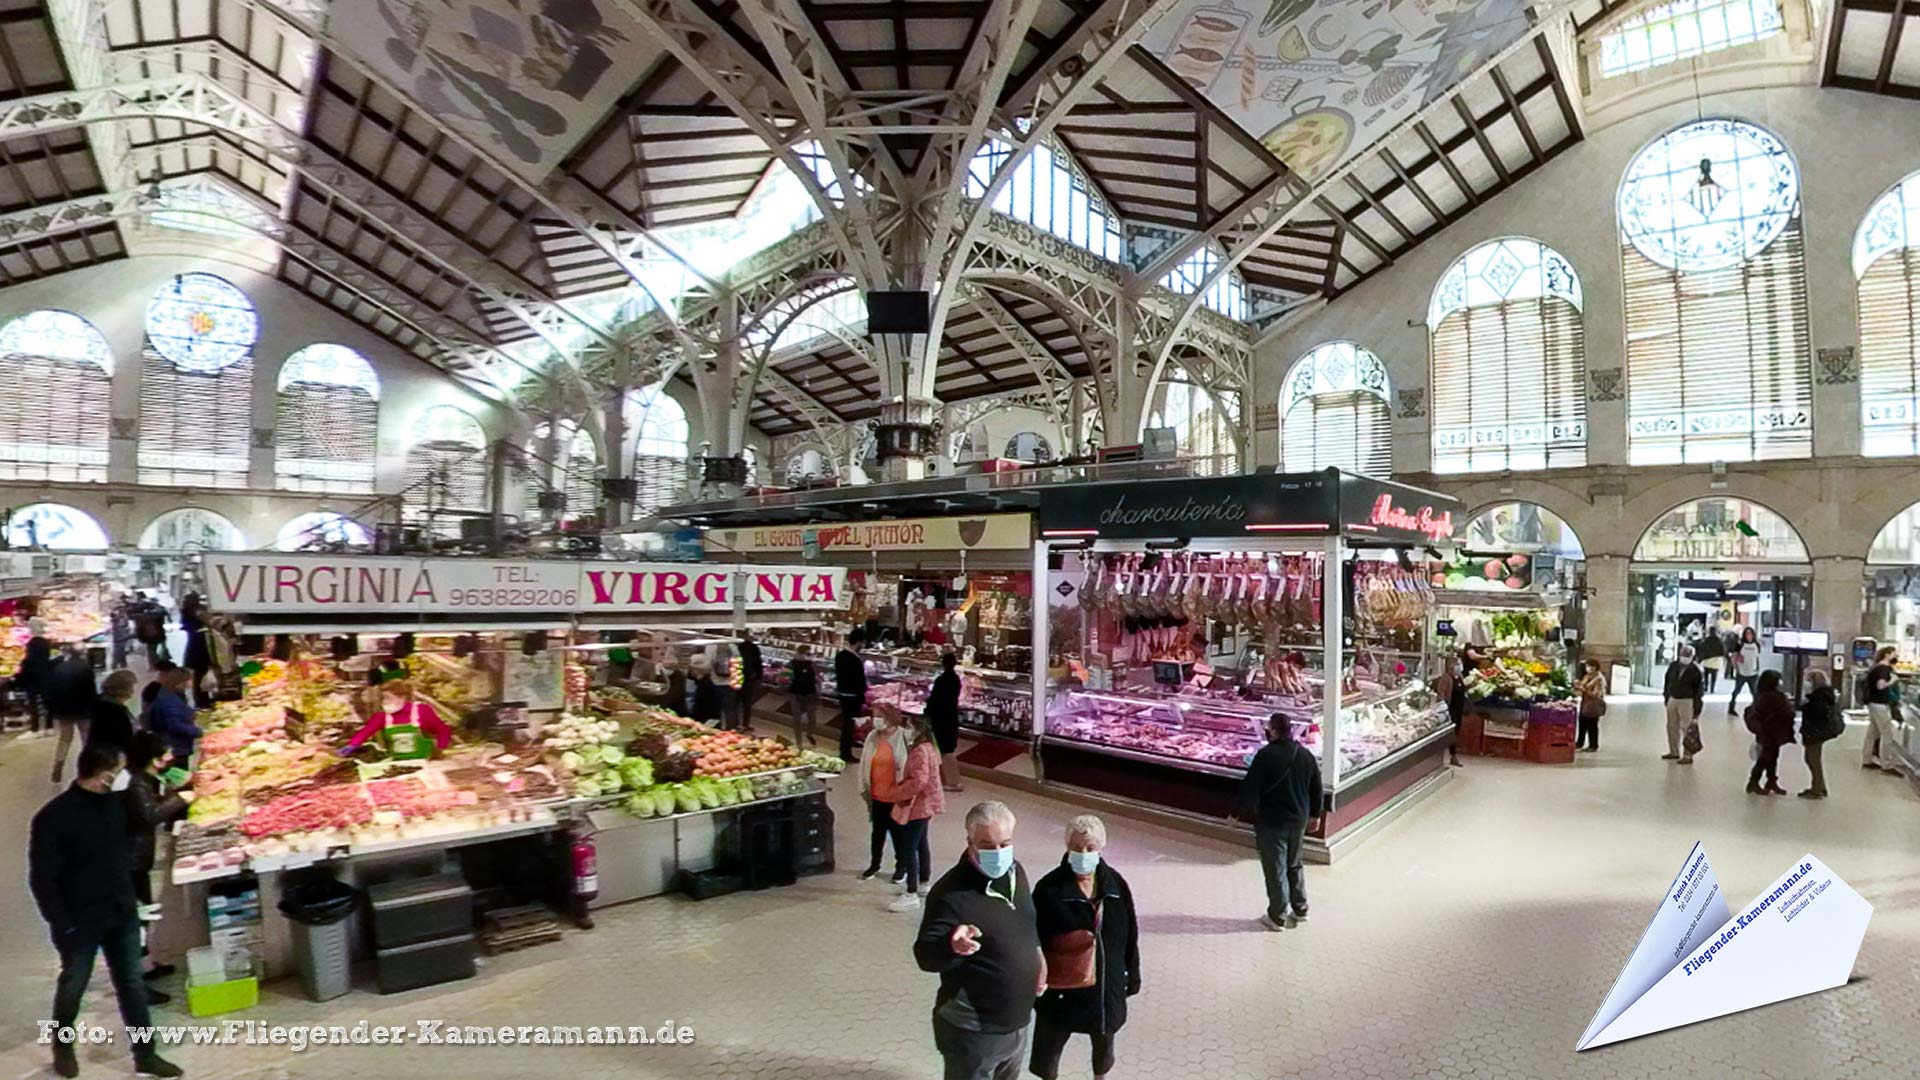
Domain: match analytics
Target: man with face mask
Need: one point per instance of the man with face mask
(978, 933)
(78, 856)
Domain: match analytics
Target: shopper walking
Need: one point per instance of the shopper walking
(883, 771)
(1745, 662)
(979, 934)
(753, 673)
(69, 697)
(199, 657)
(850, 685)
(1684, 696)
(1593, 705)
(1281, 795)
(111, 720)
(1820, 723)
(943, 715)
(918, 797)
(36, 667)
(1770, 718)
(172, 715)
(1883, 697)
(803, 686)
(1712, 653)
(150, 627)
(78, 857)
(1091, 940)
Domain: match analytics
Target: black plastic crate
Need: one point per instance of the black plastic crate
(707, 884)
(426, 963)
(420, 909)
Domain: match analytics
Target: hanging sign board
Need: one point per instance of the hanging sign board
(1258, 504)
(985, 532)
(273, 583)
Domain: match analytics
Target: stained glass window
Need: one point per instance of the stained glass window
(1333, 412)
(319, 529)
(1029, 446)
(191, 529)
(1228, 296)
(1048, 192)
(55, 416)
(1508, 361)
(1672, 218)
(54, 527)
(201, 322)
(1719, 357)
(808, 465)
(1886, 260)
(328, 415)
(1675, 31)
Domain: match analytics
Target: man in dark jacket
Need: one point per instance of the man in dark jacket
(753, 670)
(850, 684)
(78, 857)
(978, 933)
(112, 712)
(1281, 795)
(1685, 695)
(69, 694)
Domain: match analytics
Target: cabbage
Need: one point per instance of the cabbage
(571, 761)
(610, 782)
(709, 793)
(639, 804)
(687, 802)
(586, 788)
(637, 772)
(726, 792)
(611, 755)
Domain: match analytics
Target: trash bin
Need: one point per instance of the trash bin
(321, 945)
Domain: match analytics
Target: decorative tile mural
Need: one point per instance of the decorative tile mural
(1319, 80)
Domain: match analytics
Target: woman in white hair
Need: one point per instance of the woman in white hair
(1084, 911)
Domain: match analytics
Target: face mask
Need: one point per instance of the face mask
(392, 705)
(995, 862)
(1083, 862)
(121, 779)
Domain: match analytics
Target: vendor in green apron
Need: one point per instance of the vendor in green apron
(407, 728)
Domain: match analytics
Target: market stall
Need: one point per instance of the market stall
(1182, 614)
(918, 587)
(427, 714)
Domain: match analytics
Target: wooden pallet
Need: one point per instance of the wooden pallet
(509, 929)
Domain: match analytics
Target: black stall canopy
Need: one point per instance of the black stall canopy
(1360, 508)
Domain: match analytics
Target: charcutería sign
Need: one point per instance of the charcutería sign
(286, 584)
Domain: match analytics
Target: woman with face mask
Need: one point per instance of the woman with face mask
(151, 804)
(883, 773)
(407, 728)
(917, 799)
(1084, 912)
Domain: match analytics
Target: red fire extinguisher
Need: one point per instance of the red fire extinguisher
(585, 860)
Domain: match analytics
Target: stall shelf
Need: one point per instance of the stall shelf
(1182, 614)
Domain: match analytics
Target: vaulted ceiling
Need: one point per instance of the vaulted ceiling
(396, 208)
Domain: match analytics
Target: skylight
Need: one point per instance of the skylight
(1686, 28)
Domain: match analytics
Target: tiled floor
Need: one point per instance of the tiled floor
(1472, 938)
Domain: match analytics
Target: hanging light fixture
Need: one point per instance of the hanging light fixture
(1706, 192)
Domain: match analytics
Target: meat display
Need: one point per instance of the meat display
(1148, 606)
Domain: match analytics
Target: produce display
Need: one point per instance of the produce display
(450, 682)
(1519, 680)
(1503, 573)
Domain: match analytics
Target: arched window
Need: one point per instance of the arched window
(196, 384)
(54, 527)
(752, 457)
(659, 450)
(55, 417)
(321, 529)
(1047, 192)
(1029, 446)
(808, 466)
(573, 469)
(1509, 368)
(1718, 364)
(1665, 33)
(328, 409)
(191, 529)
(1205, 425)
(1333, 412)
(446, 470)
(1886, 261)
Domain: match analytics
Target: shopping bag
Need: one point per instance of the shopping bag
(1691, 742)
(1753, 751)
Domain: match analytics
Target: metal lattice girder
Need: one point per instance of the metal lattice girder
(824, 421)
(1056, 382)
(197, 99)
(208, 195)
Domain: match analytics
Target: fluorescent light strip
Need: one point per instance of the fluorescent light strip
(1311, 526)
(1070, 532)
(1357, 527)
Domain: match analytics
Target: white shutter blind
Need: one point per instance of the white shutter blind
(1348, 430)
(53, 419)
(326, 438)
(1509, 387)
(1890, 355)
(658, 481)
(196, 429)
(1718, 361)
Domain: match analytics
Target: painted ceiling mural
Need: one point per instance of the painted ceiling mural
(528, 78)
(1318, 81)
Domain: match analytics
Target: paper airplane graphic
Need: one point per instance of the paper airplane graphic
(1698, 960)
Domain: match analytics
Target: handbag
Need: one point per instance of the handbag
(1753, 751)
(1071, 956)
(1691, 742)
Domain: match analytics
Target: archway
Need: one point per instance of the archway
(191, 529)
(1516, 581)
(55, 527)
(1893, 583)
(1704, 573)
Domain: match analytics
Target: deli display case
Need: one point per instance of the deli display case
(1182, 615)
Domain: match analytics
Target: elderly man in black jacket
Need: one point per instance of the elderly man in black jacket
(79, 856)
(979, 933)
(1281, 795)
